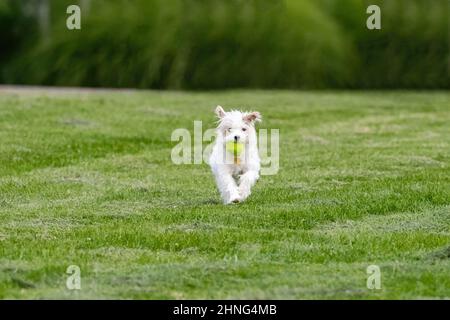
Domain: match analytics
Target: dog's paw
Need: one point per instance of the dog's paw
(244, 193)
(235, 199)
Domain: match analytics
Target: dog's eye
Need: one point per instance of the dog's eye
(244, 129)
(229, 129)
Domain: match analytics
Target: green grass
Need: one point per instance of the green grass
(86, 179)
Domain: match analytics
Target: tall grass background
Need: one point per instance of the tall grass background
(216, 44)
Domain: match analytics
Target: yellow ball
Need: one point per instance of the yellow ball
(235, 148)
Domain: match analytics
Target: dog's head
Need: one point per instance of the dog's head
(237, 126)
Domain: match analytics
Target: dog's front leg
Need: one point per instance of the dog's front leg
(227, 187)
(246, 182)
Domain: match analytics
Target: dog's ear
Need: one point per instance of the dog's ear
(220, 112)
(253, 117)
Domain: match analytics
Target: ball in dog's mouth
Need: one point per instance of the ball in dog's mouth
(235, 148)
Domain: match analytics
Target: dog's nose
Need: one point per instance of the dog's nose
(236, 138)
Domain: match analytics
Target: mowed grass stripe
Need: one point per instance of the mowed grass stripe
(86, 179)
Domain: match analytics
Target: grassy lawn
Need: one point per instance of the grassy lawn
(86, 179)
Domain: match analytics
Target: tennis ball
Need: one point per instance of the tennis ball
(235, 148)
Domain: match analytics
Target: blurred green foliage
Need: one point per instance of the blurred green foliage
(212, 44)
(15, 29)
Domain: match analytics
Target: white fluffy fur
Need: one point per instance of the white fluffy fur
(235, 177)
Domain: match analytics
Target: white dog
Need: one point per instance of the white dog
(235, 174)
